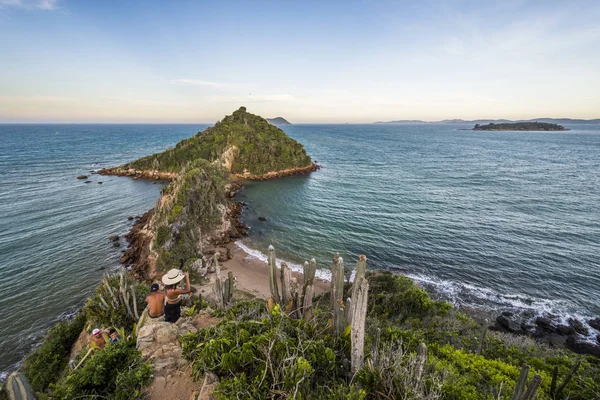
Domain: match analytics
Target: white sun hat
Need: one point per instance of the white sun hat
(173, 276)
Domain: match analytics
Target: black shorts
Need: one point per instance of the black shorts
(172, 312)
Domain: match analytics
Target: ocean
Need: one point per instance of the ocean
(490, 220)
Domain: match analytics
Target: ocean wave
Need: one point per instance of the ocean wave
(491, 301)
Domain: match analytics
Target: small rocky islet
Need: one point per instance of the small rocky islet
(520, 126)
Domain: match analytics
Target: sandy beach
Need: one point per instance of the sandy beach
(252, 275)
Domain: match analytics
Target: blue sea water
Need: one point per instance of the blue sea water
(492, 220)
(54, 228)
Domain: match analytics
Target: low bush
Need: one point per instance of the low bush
(117, 373)
(45, 365)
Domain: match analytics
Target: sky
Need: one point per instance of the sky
(307, 61)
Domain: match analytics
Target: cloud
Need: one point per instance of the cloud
(30, 4)
(209, 84)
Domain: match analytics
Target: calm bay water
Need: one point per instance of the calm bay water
(497, 220)
(54, 228)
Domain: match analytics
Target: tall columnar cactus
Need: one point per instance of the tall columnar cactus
(357, 333)
(228, 289)
(337, 294)
(310, 268)
(273, 276)
(286, 285)
(218, 286)
(307, 307)
(361, 270)
(332, 299)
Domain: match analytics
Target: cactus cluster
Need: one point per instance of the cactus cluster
(223, 290)
(123, 295)
(289, 298)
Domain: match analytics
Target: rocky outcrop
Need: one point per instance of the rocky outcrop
(139, 174)
(139, 256)
(278, 174)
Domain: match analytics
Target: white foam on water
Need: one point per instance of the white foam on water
(488, 299)
(322, 274)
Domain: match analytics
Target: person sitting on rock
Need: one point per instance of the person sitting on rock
(97, 338)
(156, 302)
(173, 295)
(113, 335)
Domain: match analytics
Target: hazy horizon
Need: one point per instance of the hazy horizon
(337, 62)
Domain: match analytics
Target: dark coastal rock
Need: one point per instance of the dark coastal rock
(99, 182)
(113, 238)
(595, 323)
(579, 345)
(554, 340)
(87, 182)
(129, 218)
(262, 218)
(82, 177)
(565, 330)
(116, 244)
(510, 322)
(545, 323)
(598, 338)
(578, 326)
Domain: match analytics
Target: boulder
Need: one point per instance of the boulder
(99, 182)
(113, 238)
(200, 267)
(167, 333)
(116, 244)
(87, 182)
(129, 218)
(578, 326)
(262, 218)
(545, 323)
(595, 323)
(579, 345)
(565, 330)
(555, 340)
(17, 387)
(510, 322)
(82, 177)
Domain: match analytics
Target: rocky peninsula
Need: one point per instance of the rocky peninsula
(378, 337)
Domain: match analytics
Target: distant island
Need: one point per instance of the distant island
(277, 121)
(520, 126)
(495, 121)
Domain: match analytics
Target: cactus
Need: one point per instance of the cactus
(357, 335)
(332, 298)
(420, 365)
(218, 286)
(520, 393)
(273, 275)
(228, 289)
(337, 294)
(135, 310)
(286, 283)
(310, 268)
(307, 306)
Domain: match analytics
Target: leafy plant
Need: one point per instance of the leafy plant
(45, 365)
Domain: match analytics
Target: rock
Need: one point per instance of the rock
(262, 218)
(129, 218)
(99, 182)
(82, 177)
(595, 323)
(113, 238)
(87, 182)
(545, 323)
(510, 323)
(555, 340)
(116, 244)
(200, 267)
(167, 333)
(579, 345)
(165, 363)
(598, 338)
(578, 326)
(565, 330)
(17, 387)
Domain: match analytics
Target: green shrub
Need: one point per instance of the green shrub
(117, 372)
(261, 147)
(45, 365)
(116, 316)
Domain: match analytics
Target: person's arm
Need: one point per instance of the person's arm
(187, 285)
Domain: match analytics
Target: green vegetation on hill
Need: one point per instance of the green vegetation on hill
(191, 206)
(260, 147)
(520, 126)
(261, 354)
